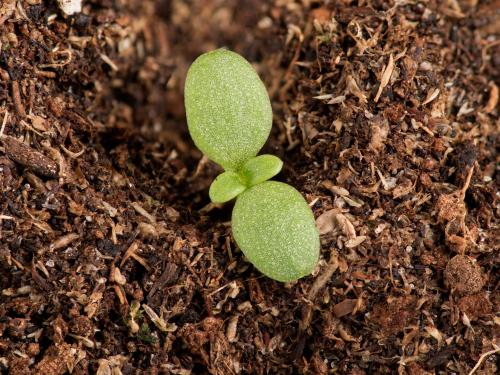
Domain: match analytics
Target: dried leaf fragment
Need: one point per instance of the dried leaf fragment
(344, 308)
(93, 305)
(431, 96)
(402, 189)
(39, 123)
(355, 242)
(345, 226)
(386, 76)
(434, 332)
(353, 88)
(493, 99)
(335, 189)
(116, 276)
(324, 222)
(159, 321)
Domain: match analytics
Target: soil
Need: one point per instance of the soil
(114, 261)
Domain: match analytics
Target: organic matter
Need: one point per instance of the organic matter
(114, 260)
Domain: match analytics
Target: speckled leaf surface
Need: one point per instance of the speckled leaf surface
(226, 187)
(261, 168)
(227, 107)
(275, 229)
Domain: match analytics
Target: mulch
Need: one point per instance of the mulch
(114, 261)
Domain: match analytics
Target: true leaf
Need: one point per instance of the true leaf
(227, 108)
(226, 187)
(274, 227)
(261, 168)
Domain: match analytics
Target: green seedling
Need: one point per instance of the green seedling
(229, 118)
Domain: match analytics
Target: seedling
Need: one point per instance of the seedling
(229, 118)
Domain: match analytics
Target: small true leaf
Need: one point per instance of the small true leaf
(227, 108)
(226, 187)
(261, 168)
(274, 227)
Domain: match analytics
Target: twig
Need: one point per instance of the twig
(5, 118)
(16, 97)
(307, 310)
(482, 358)
(322, 279)
(467, 182)
(30, 158)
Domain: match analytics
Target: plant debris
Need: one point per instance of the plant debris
(113, 260)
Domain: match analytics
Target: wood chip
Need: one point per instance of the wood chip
(63, 241)
(29, 158)
(16, 96)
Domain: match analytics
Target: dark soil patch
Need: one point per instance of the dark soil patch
(113, 260)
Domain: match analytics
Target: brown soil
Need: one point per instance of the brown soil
(113, 260)
(464, 275)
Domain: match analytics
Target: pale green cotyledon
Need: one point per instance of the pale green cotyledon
(228, 110)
